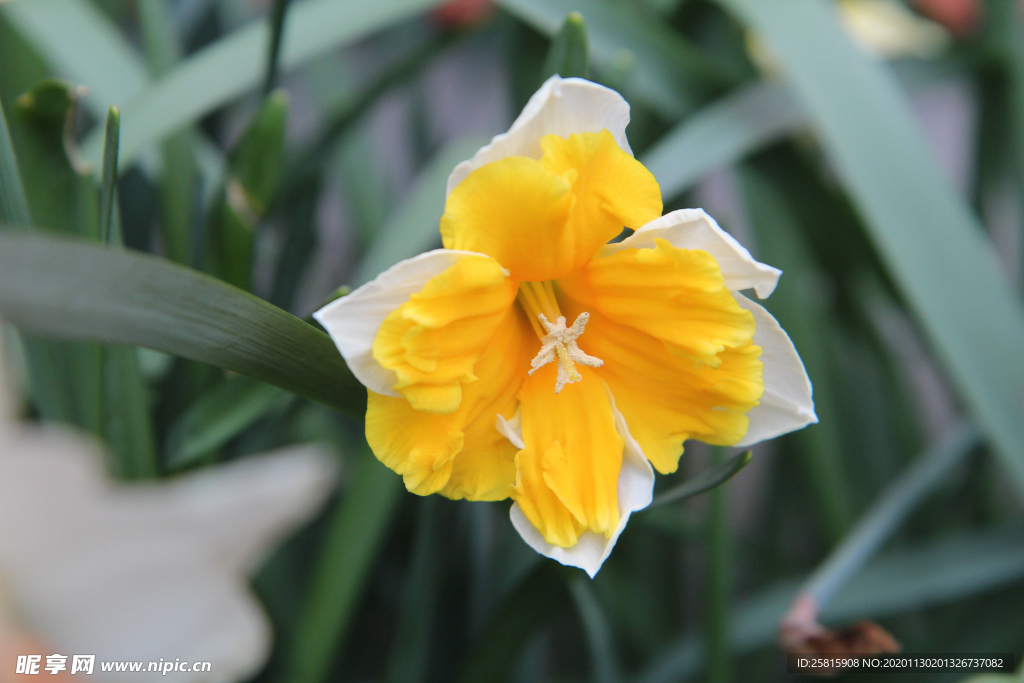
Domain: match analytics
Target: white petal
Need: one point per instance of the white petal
(512, 429)
(353, 320)
(561, 107)
(146, 571)
(635, 489)
(787, 404)
(695, 229)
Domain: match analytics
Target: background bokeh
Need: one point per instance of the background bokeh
(871, 149)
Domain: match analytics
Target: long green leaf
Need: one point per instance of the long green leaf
(722, 133)
(933, 246)
(670, 73)
(354, 535)
(235, 64)
(75, 290)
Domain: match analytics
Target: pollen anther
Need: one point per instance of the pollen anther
(560, 344)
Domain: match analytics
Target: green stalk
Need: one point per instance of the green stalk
(719, 582)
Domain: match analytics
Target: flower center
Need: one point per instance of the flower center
(558, 342)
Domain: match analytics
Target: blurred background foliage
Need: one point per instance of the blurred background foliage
(268, 152)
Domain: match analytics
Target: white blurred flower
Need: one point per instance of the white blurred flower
(145, 571)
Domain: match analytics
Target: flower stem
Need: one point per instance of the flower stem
(719, 582)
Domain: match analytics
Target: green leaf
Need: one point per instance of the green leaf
(568, 56)
(410, 652)
(219, 416)
(13, 205)
(253, 170)
(109, 180)
(722, 133)
(341, 571)
(934, 248)
(670, 73)
(716, 475)
(75, 290)
(233, 65)
(604, 662)
(126, 423)
(413, 227)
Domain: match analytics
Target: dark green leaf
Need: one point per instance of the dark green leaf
(74, 290)
(604, 661)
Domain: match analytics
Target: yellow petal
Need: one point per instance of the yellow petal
(567, 476)
(460, 454)
(544, 219)
(676, 295)
(433, 341)
(613, 190)
(667, 398)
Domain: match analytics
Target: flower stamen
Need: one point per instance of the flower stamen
(560, 344)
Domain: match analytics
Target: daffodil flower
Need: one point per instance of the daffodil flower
(140, 572)
(533, 358)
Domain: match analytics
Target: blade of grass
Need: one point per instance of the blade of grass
(355, 533)
(13, 205)
(109, 180)
(933, 246)
(568, 56)
(75, 290)
(736, 125)
(715, 475)
(231, 66)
